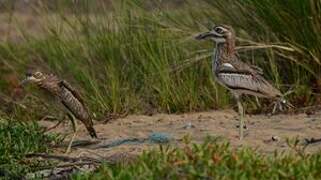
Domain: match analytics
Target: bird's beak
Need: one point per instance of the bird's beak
(27, 80)
(205, 35)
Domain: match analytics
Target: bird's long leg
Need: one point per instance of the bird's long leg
(257, 102)
(274, 108)
(281, 105)
(241, 113)
(74, 127)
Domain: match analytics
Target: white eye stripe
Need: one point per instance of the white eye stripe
(220, 30)
(228, 65)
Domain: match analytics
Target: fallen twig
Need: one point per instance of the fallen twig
(66, 165)
(65, 158)
(120, 142)
(312, 141)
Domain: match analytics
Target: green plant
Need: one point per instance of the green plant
(211, 160)
(17, 140)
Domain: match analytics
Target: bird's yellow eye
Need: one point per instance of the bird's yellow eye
(219, 30)
(38, 75)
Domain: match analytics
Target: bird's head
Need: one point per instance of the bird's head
(219, 34)
(33, 77)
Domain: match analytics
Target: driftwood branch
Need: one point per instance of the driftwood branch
(70, 165)
(312, 141)
(66, 158)
(64, 166)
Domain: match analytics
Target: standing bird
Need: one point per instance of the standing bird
(237, 76)
(67, 95)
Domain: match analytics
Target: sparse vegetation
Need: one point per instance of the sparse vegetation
(212, 159)
(17, 140)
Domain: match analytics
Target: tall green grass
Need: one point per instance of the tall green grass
(134, 59)
(295, 25)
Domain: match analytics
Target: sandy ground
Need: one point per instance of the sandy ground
(198, 126)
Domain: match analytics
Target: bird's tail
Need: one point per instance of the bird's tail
(92, 131)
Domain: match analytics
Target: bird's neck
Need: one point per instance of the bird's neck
(223, 52)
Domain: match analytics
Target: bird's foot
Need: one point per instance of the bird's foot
(281, 105)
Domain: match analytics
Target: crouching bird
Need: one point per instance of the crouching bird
(232, 73)
(67, 95)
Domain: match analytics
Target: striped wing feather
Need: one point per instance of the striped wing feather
(246, 84)
(246, 79)
(72, 100)
(72, 90)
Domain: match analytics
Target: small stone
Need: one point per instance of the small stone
(203, 130)
(275, 138)
(159, 137)
(309, 112)
(244, 126)
(189, 126)
(160, 120)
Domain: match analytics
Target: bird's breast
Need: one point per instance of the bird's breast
(51, 88)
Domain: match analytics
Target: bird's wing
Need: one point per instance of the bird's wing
(72, 90)
(82, 112)
(238, 66)
(240, 76)
(248, 85)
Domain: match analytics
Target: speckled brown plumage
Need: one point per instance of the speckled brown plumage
(69, 97)
(232, 73)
